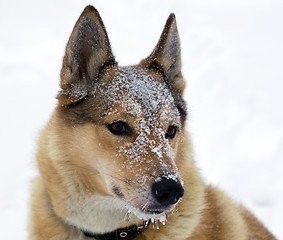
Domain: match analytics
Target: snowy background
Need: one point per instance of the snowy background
(232, 61)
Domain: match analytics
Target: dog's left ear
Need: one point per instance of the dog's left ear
(88, 51)
(166, 56)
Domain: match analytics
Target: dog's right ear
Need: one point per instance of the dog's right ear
(88, 51)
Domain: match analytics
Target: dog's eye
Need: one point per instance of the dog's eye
(171, 132)
(119, 128)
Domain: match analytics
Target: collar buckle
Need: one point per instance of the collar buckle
(123, 234)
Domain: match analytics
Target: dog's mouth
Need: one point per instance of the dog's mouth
(161, 197)
(156, 211)
(152, 213)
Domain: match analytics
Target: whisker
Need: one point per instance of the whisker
(145, 205)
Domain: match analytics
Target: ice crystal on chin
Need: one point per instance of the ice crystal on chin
(154, 219)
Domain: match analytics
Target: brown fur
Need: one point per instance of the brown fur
(84, 179)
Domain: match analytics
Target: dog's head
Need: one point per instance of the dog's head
(124, 124)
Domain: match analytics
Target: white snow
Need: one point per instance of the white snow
(232, 60)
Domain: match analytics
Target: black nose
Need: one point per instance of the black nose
(167, 191)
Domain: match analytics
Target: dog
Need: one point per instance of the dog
(115, 159)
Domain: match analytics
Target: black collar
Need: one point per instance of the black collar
(128, 233)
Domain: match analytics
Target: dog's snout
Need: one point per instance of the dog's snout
(167, 191)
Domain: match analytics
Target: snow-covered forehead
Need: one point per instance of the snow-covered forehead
(139, 86)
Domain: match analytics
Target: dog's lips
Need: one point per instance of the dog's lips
(150, 214)
(154, 209)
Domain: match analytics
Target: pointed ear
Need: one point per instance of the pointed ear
(166, 56)
(88, 51)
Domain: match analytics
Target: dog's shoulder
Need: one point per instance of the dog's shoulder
(223, 219)
(256, 229)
